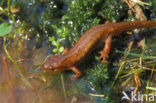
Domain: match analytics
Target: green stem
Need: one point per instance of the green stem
(9, 6)
(64, 90)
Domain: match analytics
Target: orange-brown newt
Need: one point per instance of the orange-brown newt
(92, 38)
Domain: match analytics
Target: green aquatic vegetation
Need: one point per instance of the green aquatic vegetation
(63, 86)
(132, 65)
(141, 65)
(100, 80)
(152, 8)
(78, 18)
(75, 22)
(58, 47)
(99, 76)
(114, 10)
(53, 12)
(151, 88)
(2, 2)
(39, 15)
(5, 28)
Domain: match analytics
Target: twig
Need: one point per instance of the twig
(97, 95)
(136, 9)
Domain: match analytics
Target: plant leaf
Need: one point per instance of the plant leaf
(61, 49)
(5, 28)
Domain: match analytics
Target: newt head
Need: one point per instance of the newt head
(52, 64)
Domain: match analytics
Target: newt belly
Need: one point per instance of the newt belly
(95, 36)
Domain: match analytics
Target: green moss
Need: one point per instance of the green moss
(99, 76)
(114, 10)
(82, 15)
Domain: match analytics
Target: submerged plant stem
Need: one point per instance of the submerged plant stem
(9, 6)
(16, 64)
(120, 69)
(64, 90)
(141, 56)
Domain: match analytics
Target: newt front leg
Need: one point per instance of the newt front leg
(78, 74)
(105, 52)
(74, 69)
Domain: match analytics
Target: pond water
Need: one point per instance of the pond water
(46, 87)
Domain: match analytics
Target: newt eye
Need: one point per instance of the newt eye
(45, 66)
(48, 68)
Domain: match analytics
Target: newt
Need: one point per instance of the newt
(95, 36)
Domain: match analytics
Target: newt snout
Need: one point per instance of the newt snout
(51, 64)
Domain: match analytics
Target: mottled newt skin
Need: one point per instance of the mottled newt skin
(92, 38)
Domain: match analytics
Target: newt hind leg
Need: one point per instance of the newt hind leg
(105, 52)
